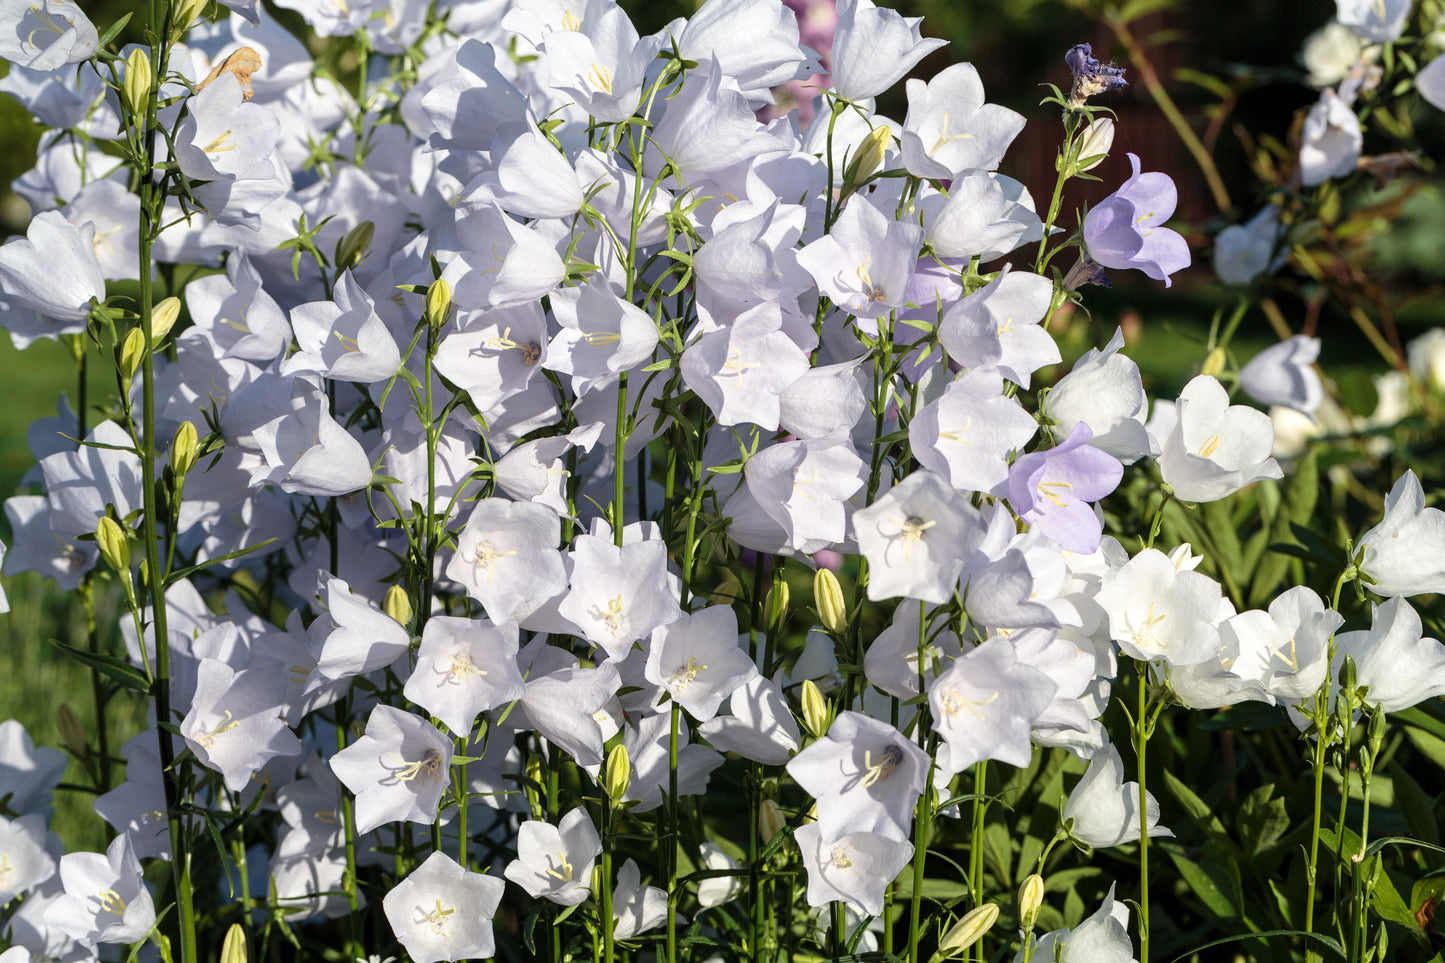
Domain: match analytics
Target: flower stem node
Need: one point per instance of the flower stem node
(618, 776)
(967, 932)
(828, 595)
(136, 88)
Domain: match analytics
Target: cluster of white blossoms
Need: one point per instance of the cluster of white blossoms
(496, 357)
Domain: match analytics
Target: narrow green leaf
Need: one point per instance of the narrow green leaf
(117, 670)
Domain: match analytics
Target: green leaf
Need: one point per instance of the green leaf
(118, 670)
(1331, 944)
(1198, 809)
(1414, 804)
(1386, 902)
(1226, 539)
(1215, 886)
(1301, 492)
(1262, 820)
(113, 31)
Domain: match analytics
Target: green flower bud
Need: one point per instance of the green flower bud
(1214, 363)
(778, 598)
(815, 710)
(438, 303)
(132, 351)
(72, 733)
(1031, 898)
(966, 932)
(352, 249)
(186, 12)
(770, 820)
(233, 950)
(163, 318)
(618, 775)
(867, 159)
(397, 604)
(114, 545)
(184, 450)
(136, 88)
(828, 595)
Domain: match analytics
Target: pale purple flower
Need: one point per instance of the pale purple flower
(1052, 490)
(1125, 230)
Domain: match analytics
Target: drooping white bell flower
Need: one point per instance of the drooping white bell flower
(28, 775)
(968, 433)
(1287, 648)
(444, 912)
(46, 34)
(649, 748)
(343, 339)
(863, 264)
(24, 863)
(1405, 553)
(1105, 391)
(1331, 140)
(1101, 938)
(53, 271)
(1283, 374)
(1105, 809)
(619, 595)
(635, 907)
(759, 726)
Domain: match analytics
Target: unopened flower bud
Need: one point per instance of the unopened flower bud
(618, 775)
(352, 249)
(184, 450)
(966, 932)
(868, 158)
(136, 88)
(397, 604)
(186, 13)
(828, 595)
(728, 590)
(233, 950)
(114, 545)
(770, 820)
(778, 599)
(132, 350)
(815, 710)
(1095, 142)
(72, 733)
(1214, 363)
(163, 318)
(1349, 676)
(1376, 730)
(438, 303)
(1031, 899)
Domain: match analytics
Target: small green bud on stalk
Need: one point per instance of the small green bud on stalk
(163, 318)
(1214, 363)
(828, 595)
(770, 820)
(136, 87)
(352, 249)
(1031, 899)
(618, 775)
(186, 12)
(233, 950)
(966, 932)
(815, 710)
(132, 350)
(72, 733)
(778, 599)
(184, 450)
(438, 303)
(114, 545)
(867, 159)
(397, 605)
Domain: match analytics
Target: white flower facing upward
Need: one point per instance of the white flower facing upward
(443, 912)
(854, 869)
(398, 769)
(1105, 809)
(1405, 553)
(106, 900)
(1158, 611)
(555, 862)
(698, 661)
(1216, 448)
(916, 539)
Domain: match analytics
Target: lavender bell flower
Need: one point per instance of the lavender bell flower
(1052, 490)
(1124, 230)
(1090, 76)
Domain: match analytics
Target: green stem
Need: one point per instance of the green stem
(1141, 746)
(1317, 762)
(672, 832)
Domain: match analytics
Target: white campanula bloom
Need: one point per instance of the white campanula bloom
(495, 354)
(1242, 252)
(555, 862)
(236, 313)
(759, 725)
(854, 869)
(1159, 611)
(984, 215)
(503, 262)
(305, 450)
(115, 214)
(985, 705)
(917, 538)
(601, 335)
(949, 128)
(635, 907)
(1216, 448)
(967, 434)
(1405, 553)
(873, 47)
(343, 339)
(312, 884)
(1102, 937)
(998, 327)
(1401, 666)
(1105, 391)
(236, 723)
(698, 661)
(708, 126)
(892, 660)
(444, 912)
(1331, 141)
(755, 42)
(106, 899)
(600, 61)
(507, 555)
(863, 264)
(741, 371)
(1283, 374)
(619, 595)
(532, 178)
(718, 890)
(865, 775)
(1105, 809)
(805, 486)
(137, 807)
(467, 99)
(398, 770)
(45, 34)
(463, 668)
(53, 270)
(564, 701)
(359, 637)
(1378, 21)
(223, 136)
(26, 864)
(649, 748)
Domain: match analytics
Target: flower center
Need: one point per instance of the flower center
(208, 739)
(429, 765)
(873, 774)
(564, 870)
(952, 701)
(436, 920)
(686, 674)
(110, 902)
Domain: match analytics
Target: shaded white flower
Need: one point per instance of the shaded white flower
(1401, 667)
(854, 869)
(443, 912)
(106, 899)
(1405, 553)
(398, 770)
(1105, 809)
(555, 862)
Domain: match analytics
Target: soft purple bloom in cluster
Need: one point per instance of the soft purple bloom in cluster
(1052, 490)
(1126, 229)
